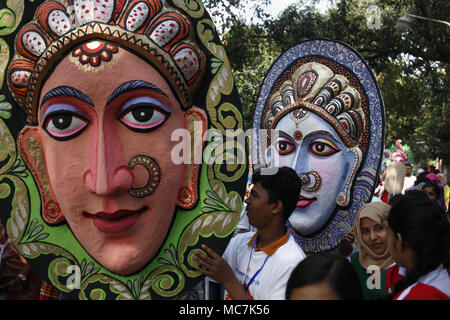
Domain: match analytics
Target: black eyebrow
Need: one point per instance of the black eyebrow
(132, 85)
(285, 135)
(66, 91)
(325, 133)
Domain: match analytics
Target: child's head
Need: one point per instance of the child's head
(324, 276)
(432, 190)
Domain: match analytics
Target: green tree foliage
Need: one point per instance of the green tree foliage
(411, 66)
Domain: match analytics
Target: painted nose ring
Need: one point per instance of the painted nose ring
(154, 176)
(307, 183)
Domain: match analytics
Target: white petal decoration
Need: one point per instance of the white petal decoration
(93, 10)
(20, 77)
(165, 32)
(137, 17)
(34, 43)
(59, 22)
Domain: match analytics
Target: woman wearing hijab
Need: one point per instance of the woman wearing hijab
(372, 258)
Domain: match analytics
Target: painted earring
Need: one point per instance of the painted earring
(343, 198)
(154, 175)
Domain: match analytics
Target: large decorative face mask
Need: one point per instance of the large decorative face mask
(107, 86)
(323, 103)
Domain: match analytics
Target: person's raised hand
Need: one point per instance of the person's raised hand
(213, 265)
(350, 237)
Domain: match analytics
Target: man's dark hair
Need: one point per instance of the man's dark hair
(330, 267)
(283, 186)
(424, 226)
(422, 178)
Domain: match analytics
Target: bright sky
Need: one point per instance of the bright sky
(277, 6)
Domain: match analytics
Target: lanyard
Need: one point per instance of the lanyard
(248, 265)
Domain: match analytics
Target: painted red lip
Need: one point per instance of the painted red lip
(303, 202)
(116, 222)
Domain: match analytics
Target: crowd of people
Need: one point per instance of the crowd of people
(118, 195)
(397, 250)
(428, 180)
(387, 256)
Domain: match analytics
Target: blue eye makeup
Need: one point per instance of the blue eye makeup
(144, 114)
(63, 122)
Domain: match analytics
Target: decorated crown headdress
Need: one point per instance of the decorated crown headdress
(157, 32)
(315, 87)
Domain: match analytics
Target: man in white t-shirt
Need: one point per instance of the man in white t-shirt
(409, 178)
(257, 265)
